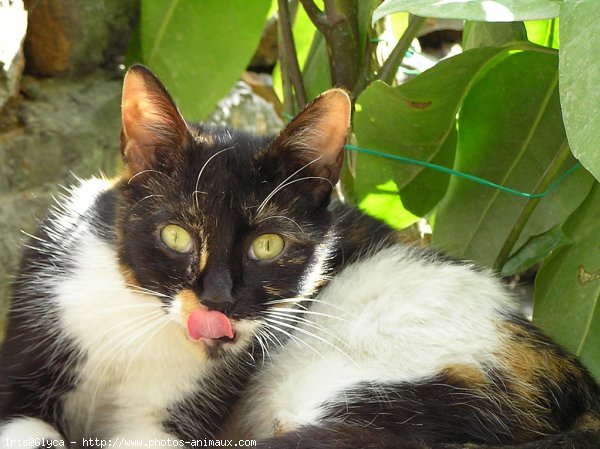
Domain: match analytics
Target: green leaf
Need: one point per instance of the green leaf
(580, 78)
(316, 71)
(384, 203)
(134, 50)
(487, 34)
(544, 32)
(481, 10)
(510, 131)
(534, 250)
(416, 120)
(199, 49)
(363, 16)
(567, 287)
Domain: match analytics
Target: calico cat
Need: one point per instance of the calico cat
(146, 303)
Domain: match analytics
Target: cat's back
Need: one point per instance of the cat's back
(393, 307)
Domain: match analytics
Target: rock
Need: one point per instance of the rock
(71, 37)
(13, 25)
(61, 128)
(246, 110)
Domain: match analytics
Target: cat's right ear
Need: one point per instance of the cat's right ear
(153, 130)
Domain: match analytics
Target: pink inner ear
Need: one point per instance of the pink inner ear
(151, 121)
(328, 133)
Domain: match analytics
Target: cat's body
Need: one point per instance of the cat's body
(404, 349)
(144, 305)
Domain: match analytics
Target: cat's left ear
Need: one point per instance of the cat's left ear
(315, 139)
(153, 129)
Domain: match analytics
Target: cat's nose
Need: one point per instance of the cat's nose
(216, 289)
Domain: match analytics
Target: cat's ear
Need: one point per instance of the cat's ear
(315, 139)
(153, 129)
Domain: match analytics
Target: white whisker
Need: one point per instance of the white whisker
(146, 171)
(196, 191)
(145, 198)
(298, 319)
(283, 184)
(310, 334)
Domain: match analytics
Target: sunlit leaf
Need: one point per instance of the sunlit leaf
(481, 10)
(544, 32)
(384, 203)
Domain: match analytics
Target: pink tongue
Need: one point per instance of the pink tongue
(208, 324)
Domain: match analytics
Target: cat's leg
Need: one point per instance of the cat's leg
(30, 433)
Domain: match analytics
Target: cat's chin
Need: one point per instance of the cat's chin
(218, 347)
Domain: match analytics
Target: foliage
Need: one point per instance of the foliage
(519, 107)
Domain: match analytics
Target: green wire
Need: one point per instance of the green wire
(476, 179)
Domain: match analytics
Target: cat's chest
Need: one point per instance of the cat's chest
(134, 359)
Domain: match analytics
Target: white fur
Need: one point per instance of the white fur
(28, 433)
(392, 318)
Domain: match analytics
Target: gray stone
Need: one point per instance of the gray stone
(61, 129)
(243, 109)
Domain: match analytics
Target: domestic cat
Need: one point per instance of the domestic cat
(145, 304)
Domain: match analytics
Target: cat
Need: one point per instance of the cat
(145, 305)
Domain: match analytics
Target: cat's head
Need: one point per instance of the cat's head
(225, 227)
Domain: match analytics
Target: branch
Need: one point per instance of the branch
(388, 71)
(290, 57)
(315, 15)
(331, 13)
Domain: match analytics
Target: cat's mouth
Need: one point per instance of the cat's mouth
(210, 326)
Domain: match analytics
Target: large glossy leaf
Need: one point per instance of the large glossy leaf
(200, 48)
(417, 120)
(488, 34)
(481, 10)
(511, 133)
(567, 287)
(580, 78)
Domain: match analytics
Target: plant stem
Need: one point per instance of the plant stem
(316, 16)
(288, 94)
(290, 57)
(338, 25)
(549, 175)
(388, 71)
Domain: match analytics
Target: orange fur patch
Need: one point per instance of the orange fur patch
(189, 303)
(466, 375)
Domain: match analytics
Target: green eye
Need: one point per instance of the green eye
(176, 238)
(266, 247)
